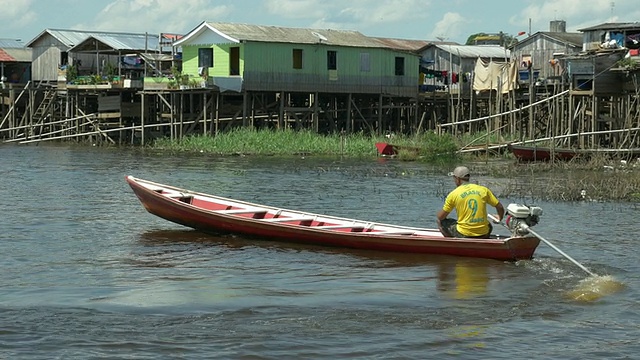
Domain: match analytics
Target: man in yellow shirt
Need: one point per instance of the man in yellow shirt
(470, 202)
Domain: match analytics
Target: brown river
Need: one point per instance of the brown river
(87, 273)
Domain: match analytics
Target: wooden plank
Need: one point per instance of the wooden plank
(354, 228)
(108, 103)
(110, 115)
(241, 211)
(291, 218)
(391, 232)
(131, 109)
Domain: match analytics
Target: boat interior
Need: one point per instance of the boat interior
(278, 216)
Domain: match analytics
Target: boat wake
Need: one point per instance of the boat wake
(586, 290)
(594, 288)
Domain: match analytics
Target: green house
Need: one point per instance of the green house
(255, 58)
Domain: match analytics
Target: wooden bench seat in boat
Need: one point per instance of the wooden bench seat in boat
(185, 198)
(391, 232)
(353, 228)
(252, 213)
(290, 218)
(242, 211)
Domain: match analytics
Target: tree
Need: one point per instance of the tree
(471, 40)
(500, 38)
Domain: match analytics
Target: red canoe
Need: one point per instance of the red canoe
(526, 153)
(209, 213)
(386, 149)
(532, 153)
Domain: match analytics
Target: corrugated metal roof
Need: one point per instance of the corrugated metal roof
(475, 51)
(573, 38)
(118, 42)
(171, 37)
(403, 44)
(261, 33)
(20, 54)
(614, 26)
(72, 38)
(11, 43)
(4, 57)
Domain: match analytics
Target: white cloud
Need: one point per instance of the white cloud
(354, 14)
(448, 27)
(454, 20)
(16, 13)
(371, 12)
(577, 13)
(155, 15)
(12, 9)
(297, 9)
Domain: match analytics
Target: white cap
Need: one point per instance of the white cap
(460, 172)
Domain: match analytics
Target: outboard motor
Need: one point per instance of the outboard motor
(521, 217)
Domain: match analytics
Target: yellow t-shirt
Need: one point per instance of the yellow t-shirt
(470, 202)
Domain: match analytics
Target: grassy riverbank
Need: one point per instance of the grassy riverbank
(267, 142)
(597, 179)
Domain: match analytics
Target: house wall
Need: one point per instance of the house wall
(593, 72)
(46, 58)
(269, 67)
(16, 72)
(90, 64)
(540, 51)
(451, 63)
(593, 39)
(221, 59)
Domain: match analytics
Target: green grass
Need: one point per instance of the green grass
(561, 181)
(289, 142)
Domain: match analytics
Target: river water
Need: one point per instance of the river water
(88, 273)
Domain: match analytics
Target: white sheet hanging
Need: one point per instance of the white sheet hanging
(492, 75)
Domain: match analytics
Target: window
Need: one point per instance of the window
(332, 60)
(234, 61)
(399, 65)
(365, 62)
(297, 58)
(205, 57)
(64, 58)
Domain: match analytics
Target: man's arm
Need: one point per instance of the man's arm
(500, 210)
(441, 216)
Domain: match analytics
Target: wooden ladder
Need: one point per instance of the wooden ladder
(42, 109)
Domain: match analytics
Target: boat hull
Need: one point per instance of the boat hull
(381, 237)
(530, 153)
(386, 149)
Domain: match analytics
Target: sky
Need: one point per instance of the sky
(448, 20)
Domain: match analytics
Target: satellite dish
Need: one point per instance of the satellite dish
(320, 37)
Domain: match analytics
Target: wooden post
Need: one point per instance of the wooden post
(12, 122)
(181, 107)
(77, 113)
(380, 99)
(594, 116)
(417, 115)
(218, 104)
(244, 109)
(142, 115)
(281, 112)
(531, 90)
(204, 113)
(350, 124)
(316, 120)
(253, 109)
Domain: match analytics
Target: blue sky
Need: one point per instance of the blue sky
(451, 20)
